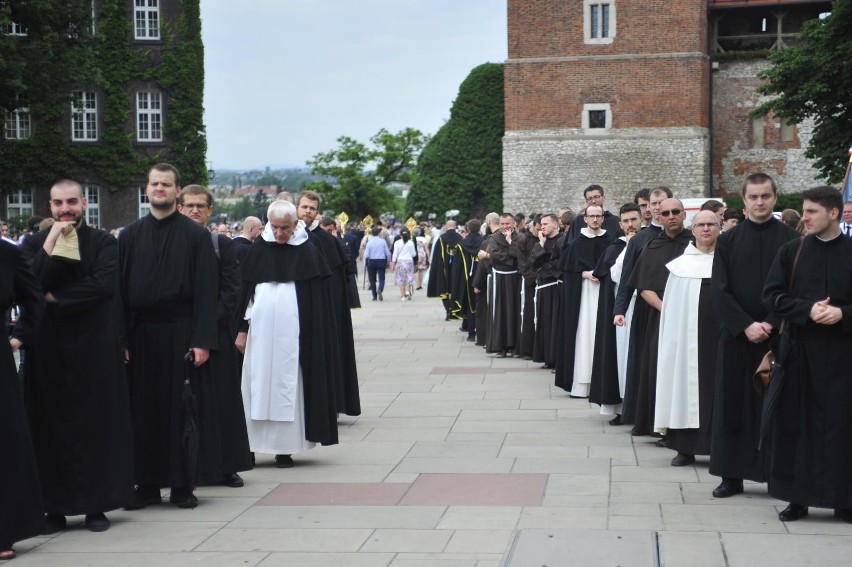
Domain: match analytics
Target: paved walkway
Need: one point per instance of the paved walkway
(456, 457)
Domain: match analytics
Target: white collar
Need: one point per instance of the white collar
(299, 236)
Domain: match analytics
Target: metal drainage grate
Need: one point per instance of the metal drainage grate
(583, 548)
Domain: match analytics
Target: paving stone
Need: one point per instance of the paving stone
(746, 550)
(339, 517)
(480, 518)
(721, 518)
(290, 539)
(407, 540)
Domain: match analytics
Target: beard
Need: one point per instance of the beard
(75, 219)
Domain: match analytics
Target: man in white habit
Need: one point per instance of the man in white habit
(689, 337)
(285, 333)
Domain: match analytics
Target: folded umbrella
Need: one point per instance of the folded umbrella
(189, 436)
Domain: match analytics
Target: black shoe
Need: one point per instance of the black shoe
(252, 459)
(381, 297)
(500, 355)
(728, 487)
(284, 461)
(845, 515)
(616, 420)
(97, 522)
(55, 523)
(792, 513)
(233, 480)
(182, 497)
(682, 460)
(471, 338)
(144, 496)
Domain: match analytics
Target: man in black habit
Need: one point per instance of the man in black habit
(348, 395)
(606, 388)
(526, 240)
(581, 304)
(76, 388)
(464, 269)
(505, 289)
(623, 297)
(169, 282)
(544, 259)
(592, 195)
(740, 264)
(812, 425)
(649, 278)
(196, 202)
(440, 271)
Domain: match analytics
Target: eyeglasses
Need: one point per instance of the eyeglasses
(593, 198)
(594, 216)
(702, 225)
(194, 207)
(673, 212)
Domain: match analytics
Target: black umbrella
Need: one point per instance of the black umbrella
(189, 436)
(773, 389)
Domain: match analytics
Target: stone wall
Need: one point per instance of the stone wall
(547, 169)
(741, 146)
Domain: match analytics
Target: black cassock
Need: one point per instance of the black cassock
(465, 262)
(604, 388)
(21, 504)
(350, 246)
(504, 294)
(740, 264)
(641, 311)
(526, 340)
(348, 395)
(226, 363)
(810, 462)
(306, 266)
(440, 270)
(76, 384)
(610, 224)
(580, 256)
(650, 273)
(481, 280)
(548, 297)
(169, 283)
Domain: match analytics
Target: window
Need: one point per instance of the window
(147, 19)
(599, 21)
(16, 29)
(788, 131)
(757, 133)
(19, 203)
(18, 125)
(84, 116)
(149, 117)
(144, 204)
(597, 116)
(93, 210)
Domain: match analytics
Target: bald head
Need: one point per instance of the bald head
(672, 216)
(451, 225)
(492, 220)
(705, 230)
(705, 217)
(251, 228)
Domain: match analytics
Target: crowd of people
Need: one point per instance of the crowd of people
(663, 326)
(166, 357)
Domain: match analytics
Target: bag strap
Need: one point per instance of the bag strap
(793, 277)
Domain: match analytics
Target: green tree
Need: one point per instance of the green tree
(814, 80)
(357, 175)
(462, 165)
(269, 178)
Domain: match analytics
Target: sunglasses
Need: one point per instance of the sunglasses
(673, 212)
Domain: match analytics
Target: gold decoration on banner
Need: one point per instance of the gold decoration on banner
(411, 224)
(367, 222)
(343, 218)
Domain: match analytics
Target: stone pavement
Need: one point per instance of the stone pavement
(457, 457)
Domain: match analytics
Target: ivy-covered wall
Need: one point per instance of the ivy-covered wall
(60, 53)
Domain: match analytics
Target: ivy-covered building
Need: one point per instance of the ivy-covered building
(97, 91)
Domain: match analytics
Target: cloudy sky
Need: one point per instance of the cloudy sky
(285, 78)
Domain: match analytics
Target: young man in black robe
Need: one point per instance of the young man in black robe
(440, 271)
(505, 289)
(810, 458)
(169, 283)
(544, 259)
(740, 264)
(196, 202)
(347, 391)
(581, 304)
(592, 195)
(624, 295)
(251, 229)
(649, 278)
(76, 388)
(605, 389)
(526, 240)
(464, 269)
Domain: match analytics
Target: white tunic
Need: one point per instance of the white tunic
(272, 389)
(584, 347)
(676, 404)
